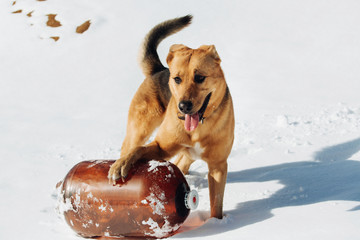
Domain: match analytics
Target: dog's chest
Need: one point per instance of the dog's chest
(196, 151)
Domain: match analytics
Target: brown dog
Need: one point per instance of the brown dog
(190, 102)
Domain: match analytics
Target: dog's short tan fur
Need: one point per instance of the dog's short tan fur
(156, 103)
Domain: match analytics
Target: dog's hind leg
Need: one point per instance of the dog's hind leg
(183, 162)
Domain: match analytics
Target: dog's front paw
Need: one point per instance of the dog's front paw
(119, 169)
(114, 171)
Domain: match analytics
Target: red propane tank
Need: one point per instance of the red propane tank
(153, 201)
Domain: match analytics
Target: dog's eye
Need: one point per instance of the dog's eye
(177, 80)
(199, 78)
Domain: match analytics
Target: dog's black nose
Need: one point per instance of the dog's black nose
(185, 106)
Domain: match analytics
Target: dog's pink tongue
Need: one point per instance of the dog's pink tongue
(191, 121)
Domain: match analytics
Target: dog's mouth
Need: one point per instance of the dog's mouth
(192, 120)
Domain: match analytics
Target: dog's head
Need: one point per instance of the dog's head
(196, 82)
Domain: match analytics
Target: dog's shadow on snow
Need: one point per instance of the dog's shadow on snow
(332, 177)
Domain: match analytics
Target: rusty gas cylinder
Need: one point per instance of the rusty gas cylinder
(153, 201)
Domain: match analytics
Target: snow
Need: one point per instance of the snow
(293, 72)
(156, 200)
(160, 232)
(153, 166)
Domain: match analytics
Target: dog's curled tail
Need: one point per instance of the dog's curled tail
(148, 57)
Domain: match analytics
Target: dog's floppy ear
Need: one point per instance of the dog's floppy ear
(211, 50)
(172, 50)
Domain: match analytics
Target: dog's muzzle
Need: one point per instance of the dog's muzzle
(187, 107)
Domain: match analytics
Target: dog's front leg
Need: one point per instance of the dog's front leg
(217, 180)
(122, 166)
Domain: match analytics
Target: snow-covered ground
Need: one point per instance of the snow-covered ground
(293, 71)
